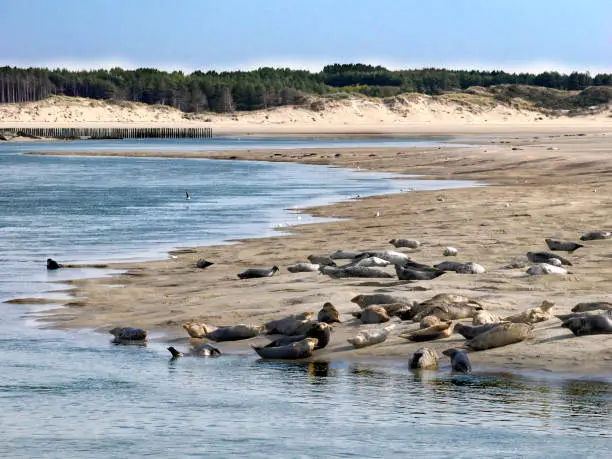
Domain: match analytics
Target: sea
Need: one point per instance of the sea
(75, 394)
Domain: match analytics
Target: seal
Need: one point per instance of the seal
(459, 361)
(589, 325)
(542, 269)
(234, 333)
(450, 252)
(408, 243)
(303, 268)
(380, 298)
(291, 325)
(544, 257)
(409, 274)
(532, 315)
(429, 321)
(322, 260)
(354, 271)
(471, 268)
(252, 273)
(502, 335)
(52, 264)
(328, 314)
(448, 311)
(396, 258)
(369, 337)
(345, 255)
(469, 332)
(203, 264)
(127, 335)
(370, 262)
(485, 317)
(372, 315)
(298, 350)
(196, 330)
(593, 306)
(557, 245)
(423, 359)
(595, 235)
(440, 331)
(424, 308)
(320, 331)
(199, 350)
(566, 317)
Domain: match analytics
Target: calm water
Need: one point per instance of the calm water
(76, 395)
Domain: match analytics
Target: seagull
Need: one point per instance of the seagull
(187, 196)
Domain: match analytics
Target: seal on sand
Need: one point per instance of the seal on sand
(319, 330)
(372, 315)
(502, 335)
(369, 337)
(203, 264)
(396, 258)
(593, 306)
(345, 255)
(542, 269)
(459, 361)
(196, 330)
(485, 317)
(200, 350)
(253, 273)
(450, 252)
(469, 332)
(371, 262)
(125, 335)
(423, 359)
(408, 243)
(429, 321)
(555, 244)
(543, 257)
(589, 325)
(440, 331)
(290, 325)
(328, 314)
(408, 274)
(234, 333)
(322, 260)
(298, 350)
(303, 268)
(595, 235)
(379, 298)
(52, 264)
(533, 315)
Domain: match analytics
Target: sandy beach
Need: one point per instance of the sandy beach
(540, 184)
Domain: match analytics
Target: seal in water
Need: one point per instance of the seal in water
(203, 264)
(593, 306)
(440, 331)
(52, 264)
(126, 335)
(533, 315)
(408, 243)
(322, 260)
(557, 245)
(369, 337)
(379, 298)
(303, 268)
(298, 350)
(319, 330)
(502, 335)
(595, 235)
(328, 314)
(459, 361)
(423, 359)
(372, 315)
(589, 325)
(199, 350)
(253, 273)
(544, 257)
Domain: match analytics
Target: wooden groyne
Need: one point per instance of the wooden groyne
(111, 133)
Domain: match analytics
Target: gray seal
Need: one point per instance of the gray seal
(354, 271)
(589, 325)
(127, 335)
(593, 306)
(409, 274)
(253, 273)
(595, 235)
(408, 243)
(555, 244)
(203, 264)
(298, 350)
(459, 361)
(543, 257)
(200, 350)
(322, 260)
(320, 331)
(469, 331)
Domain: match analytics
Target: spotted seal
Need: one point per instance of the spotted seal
(439, 331)
(328, 314)
(424, 359)
(502, 335)
(294, 351)
(533, 315)
(369, 337)
(379, 298)
(557, 245)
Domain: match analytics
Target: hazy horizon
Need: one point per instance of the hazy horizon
(190, 35)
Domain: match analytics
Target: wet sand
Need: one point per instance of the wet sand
(539, 185)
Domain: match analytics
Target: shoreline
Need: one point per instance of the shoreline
(501, 180)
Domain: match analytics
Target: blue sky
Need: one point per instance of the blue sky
(516, 35)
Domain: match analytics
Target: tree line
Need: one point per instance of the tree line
(264, 87)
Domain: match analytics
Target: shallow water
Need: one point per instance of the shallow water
(74, 394)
